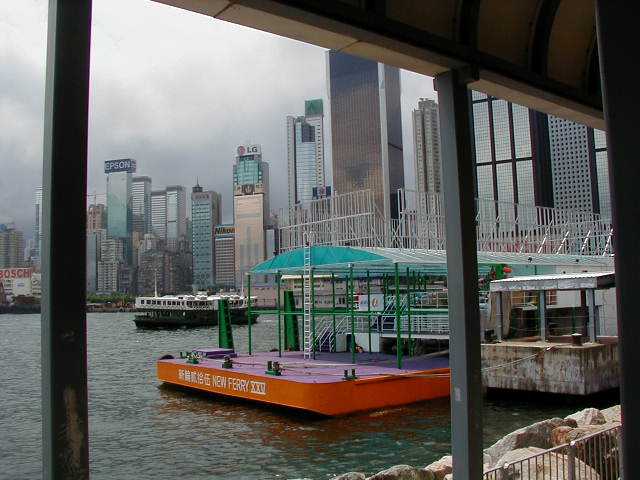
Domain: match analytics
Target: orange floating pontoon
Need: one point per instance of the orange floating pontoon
(319, 386)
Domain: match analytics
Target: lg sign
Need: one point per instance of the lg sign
(122, 165)
(248, 150)
(15, 273)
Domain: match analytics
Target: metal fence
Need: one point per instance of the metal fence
(593, 457)
(354, 219)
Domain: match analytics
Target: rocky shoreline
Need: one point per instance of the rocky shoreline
(514, 446)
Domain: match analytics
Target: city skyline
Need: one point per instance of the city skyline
(211, 113)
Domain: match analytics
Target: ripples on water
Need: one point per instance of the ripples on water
(141, 430)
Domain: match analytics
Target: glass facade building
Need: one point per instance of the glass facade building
(159, 214)
(366, 128)
(37, 230)
(141, 204)
(305, 153)
(205, 215)
(503, 152)
(119, 197)
(176, 215)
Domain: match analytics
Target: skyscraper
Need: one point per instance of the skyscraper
(119, 214)
(305, 153)
(205, 215)
(426, 137)
(119, 217)
(577, 163)
(11, 246)
(96, 217)
(366, 128)
(176, 216)
(37, 230)
(250, 208)
(225, 258)
(141, 204)
(159, 214)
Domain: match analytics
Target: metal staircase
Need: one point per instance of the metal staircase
(307, 341)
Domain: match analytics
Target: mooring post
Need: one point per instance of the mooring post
(398, 325)
(249, 311)
(278, 280)
(458, 166)
(65, 424)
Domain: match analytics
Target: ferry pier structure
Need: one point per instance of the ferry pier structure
(339, 347)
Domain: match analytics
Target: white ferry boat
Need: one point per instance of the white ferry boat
(174, 311)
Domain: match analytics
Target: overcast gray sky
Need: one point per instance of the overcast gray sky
(175, 90)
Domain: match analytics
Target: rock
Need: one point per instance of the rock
(559, 435)
(588, 416)
(612, 414)
(441, 468)
(351, 476)
(554, 466)
(536, 435)
(403, 472)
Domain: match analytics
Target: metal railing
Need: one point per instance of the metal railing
(593, 457)
(354, 219)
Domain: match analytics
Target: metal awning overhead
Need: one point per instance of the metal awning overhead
(567, 281)
(434, 262)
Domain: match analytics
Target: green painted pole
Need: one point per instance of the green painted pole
(333, 304)
(353, 319)
(409, 309)
(249, 309)
(313, 315)
(369, 308)
(278, 278)
(384, 292)
(398, 326)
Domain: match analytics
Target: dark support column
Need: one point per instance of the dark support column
(616, 25)
(462, 277)
(65, 443)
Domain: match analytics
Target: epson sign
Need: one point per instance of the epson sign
(122, 165)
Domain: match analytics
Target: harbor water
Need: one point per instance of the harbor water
(142, 430)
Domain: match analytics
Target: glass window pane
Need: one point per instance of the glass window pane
(501, 134)
(521, 131)
(481, 131)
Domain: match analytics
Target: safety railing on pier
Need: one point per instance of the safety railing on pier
(596, 456)
(354, 219)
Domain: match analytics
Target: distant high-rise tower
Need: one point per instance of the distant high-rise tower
(141, 204)
(37, 230)
(205, 215)
(119, 218)
(225, 258)
(305, 153)
(159, 214)
(426, 136)
(578, 161)
(96, 217)
(11, 246)
(176, 215)
(250, 208)
(366, 128)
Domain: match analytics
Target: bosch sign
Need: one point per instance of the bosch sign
(6, 273)
(122, 165)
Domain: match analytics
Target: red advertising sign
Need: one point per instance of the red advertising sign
(15, 273)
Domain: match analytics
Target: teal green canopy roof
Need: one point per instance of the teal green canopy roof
(322, 258)
(337, 259)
